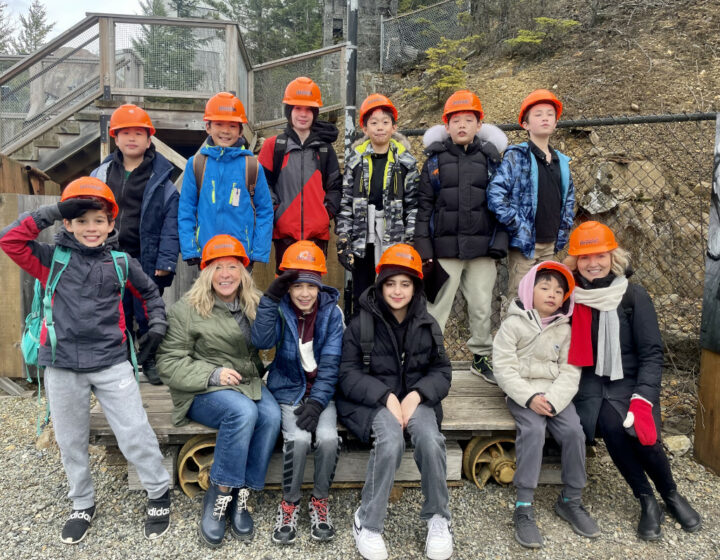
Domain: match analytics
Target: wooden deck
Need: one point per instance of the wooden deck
(473, 407)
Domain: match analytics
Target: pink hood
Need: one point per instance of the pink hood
(525, 294)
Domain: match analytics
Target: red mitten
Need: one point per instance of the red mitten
(640, 416)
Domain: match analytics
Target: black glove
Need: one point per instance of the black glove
(308, 415)
(193, 262)
(75, 207)
(148, 345)
(347, 259)
(281, 285)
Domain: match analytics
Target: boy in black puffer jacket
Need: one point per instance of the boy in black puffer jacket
(454, 229)
(396, 385)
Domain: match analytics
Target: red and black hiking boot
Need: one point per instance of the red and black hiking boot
(321, 528)
(286, 523)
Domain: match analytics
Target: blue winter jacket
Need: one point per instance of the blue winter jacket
(215, 211)
(159, 244)
(513, 192)
(276, 325)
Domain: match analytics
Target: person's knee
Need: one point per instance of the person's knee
(327, 441)
(299, 438)
(391, 442)
(534, 432)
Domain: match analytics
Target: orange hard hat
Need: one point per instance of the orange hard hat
(303, 91)
(304, 255)
(402, 255)
(373, 102)
(591, 237)
(562, 269)
(540, 96)
(463, 100)
(225, 106)
(223, 246)
(127, 116)
(90, 187)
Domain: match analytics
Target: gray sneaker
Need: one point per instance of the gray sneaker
(575, 513)
(526, 531)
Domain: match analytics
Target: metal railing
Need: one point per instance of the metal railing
(105, 55)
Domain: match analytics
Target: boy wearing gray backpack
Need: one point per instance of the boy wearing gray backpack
(83, 344)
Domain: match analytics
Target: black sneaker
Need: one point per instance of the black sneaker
(157, 521)
(77, 525)
(575, 513)
(321, 528)
(481, 366)
(151, 373)
(526, 530)
(286, 523)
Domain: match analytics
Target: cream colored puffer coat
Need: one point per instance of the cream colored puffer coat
(528, 359)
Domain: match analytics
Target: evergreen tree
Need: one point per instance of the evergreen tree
(34, 29)
(6, 29)
(168, 51)
(275, 28)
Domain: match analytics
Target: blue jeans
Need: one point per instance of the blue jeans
(247, 432)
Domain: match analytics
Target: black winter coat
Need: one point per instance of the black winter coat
(455, 222)
(642, 359)
(425, 368)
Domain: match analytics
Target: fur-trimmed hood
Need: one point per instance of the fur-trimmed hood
(487, 133)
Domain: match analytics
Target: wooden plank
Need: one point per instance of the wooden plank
(170, 154)
(12, 179)
(11, 388)
(707, 422)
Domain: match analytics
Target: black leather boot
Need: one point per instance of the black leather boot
(241, 522)
(651, 516)
(681, 510)
(214, 518)
(150, 371)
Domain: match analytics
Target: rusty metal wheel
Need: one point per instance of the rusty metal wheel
(490, 457)
(194, 462)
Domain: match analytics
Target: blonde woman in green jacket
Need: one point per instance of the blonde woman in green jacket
(214, 375)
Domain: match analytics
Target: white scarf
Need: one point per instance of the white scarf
(606, 301)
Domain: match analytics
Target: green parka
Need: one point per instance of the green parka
(195, 346)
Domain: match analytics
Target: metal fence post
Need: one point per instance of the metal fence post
(382, 40)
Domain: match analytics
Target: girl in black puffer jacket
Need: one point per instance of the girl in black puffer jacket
(401, 387)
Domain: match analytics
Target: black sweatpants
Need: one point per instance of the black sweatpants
(633, 459)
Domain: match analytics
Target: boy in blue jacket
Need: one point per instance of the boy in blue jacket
(84, 347)
(231, 195)
(139, 177)
(532, 192)
(299, 315)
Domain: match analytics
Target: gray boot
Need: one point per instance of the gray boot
(526, 530)
(575, 513)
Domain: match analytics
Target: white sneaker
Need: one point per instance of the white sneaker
(439, 542)
(370, 544)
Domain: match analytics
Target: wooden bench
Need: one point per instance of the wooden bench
(474, 411)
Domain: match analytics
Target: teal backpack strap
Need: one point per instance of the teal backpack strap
(122, 276)
(61, 256)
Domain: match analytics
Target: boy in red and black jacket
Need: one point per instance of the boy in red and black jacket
(302, 171)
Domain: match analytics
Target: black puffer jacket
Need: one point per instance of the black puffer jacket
(425, 367)
(455, 222)
(642, 359)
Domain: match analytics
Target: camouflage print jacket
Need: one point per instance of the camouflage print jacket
(400, 194)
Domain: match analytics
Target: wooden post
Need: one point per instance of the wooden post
(231, 59)
(17, 292)
(707, 418)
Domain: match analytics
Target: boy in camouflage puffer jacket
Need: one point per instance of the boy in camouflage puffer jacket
(379, 199)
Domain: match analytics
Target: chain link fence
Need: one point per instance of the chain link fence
(69, 75)
(327, 69)
(170, 57)
(405, 38)
(649, 179)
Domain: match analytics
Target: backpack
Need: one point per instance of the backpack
(281, 139)
(41, 312)
(251, 173)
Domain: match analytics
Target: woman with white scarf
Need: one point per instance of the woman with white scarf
(616, 340)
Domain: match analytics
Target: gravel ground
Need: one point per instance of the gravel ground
(34, 508)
